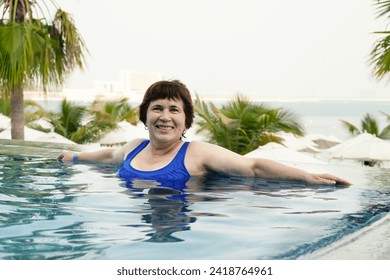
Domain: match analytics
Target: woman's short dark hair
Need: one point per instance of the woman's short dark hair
(172, 90)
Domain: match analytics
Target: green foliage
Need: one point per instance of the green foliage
(78, 123)
(73, 123)
(91, 131)
(380, 53)
(69, 119)
(32, 110)
(5, 105)
(115, 111)
(368, 124)
(36, 50)
(241, 126)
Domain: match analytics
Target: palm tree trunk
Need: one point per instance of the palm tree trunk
(17, 113)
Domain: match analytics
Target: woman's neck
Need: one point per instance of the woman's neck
(164, 148)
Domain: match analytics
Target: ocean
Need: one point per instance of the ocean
(324, 117)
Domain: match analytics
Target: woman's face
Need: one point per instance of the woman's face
(165, 119)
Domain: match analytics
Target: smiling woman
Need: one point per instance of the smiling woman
(167, 113)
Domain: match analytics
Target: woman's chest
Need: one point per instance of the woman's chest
(145, 162)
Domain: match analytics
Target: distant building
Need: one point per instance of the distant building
(129, 83)
(107, 87)
(138, 82)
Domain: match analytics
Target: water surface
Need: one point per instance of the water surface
(50, 210)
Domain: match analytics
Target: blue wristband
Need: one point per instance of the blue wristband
(75, 157)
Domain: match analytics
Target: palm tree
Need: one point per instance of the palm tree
(242, 126)
(380, 54)
(35, 51)
(73, 122)
(115, 111)
(69, 119)
(368, 124)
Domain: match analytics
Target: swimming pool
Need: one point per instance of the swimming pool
(50, 210)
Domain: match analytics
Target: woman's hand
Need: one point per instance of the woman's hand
(327, 179)
(65, 156)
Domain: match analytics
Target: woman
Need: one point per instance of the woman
(167, 113)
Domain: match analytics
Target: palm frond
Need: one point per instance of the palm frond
(70, 118)
(379, 57)
(350, 127)
(382, 8)
(387, 115)
(91, 131)
(114, 111)
(385, 133)
(241, 125)
(370, 125)
(5, 105)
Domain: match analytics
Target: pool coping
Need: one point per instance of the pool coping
(36, 148)
(369, 243)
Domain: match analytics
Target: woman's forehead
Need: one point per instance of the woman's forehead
(167, 102)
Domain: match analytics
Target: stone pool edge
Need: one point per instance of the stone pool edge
(36, 148)
(369, 243)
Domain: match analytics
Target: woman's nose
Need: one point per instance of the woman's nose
(165, 116)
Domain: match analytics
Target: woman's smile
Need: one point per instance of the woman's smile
(164, 127)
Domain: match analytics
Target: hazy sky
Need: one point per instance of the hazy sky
(277, 48)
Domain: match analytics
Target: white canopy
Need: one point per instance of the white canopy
(298, 143)
(323, 141)
(365, 147)
(36, 135)
(124, 133)
(5, 122)
(278, 152)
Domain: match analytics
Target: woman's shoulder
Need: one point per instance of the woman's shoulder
(129, 146)
(200, 147)
(203, 145)
(196, 144)
(209, 151)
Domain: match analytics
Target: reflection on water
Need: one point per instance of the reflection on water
(168, 215)
(63, 211)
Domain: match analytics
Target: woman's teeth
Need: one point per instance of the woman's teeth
(164, 127)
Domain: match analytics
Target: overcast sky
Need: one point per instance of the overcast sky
(279, 48)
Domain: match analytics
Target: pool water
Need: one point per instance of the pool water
(51, 210)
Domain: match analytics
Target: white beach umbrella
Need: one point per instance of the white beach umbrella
(124, 133)
(323, 141)
(54, 137)
(278, 152)
(5, 122)
(191, 134)
(142, 131)
(298, 143)
(36, 135)
(29, 134)
(44, 123)
(364, 147)
(350, 143)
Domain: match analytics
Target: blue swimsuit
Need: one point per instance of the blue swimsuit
(173, 174)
